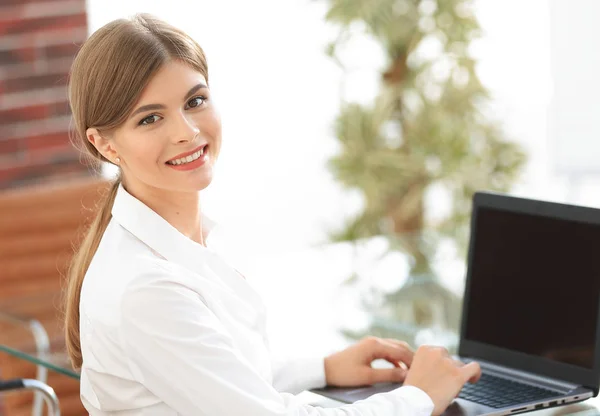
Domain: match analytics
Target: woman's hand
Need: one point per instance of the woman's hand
(352, 366)
(441, 377)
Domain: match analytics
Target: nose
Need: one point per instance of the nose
(185, 130)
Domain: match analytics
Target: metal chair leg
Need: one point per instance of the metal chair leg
(42, 344)
(37, 386)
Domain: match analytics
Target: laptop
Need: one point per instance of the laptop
(531, 308)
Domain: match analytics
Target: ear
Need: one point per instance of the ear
(101, 143)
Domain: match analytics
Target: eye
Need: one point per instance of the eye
(151, 119)
(196, 102)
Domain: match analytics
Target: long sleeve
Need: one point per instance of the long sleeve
(299, 374)
(180, 351)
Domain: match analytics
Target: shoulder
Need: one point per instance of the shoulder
(122, 260)
(157, 286)
(122, 267)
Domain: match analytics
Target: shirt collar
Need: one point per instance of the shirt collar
(156, 232)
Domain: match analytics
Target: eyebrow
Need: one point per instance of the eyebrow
(149, 107)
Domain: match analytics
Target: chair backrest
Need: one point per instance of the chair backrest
(38, 227)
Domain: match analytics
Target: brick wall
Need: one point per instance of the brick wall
(38, 40)
(37, 228)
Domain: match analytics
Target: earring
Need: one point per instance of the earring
(118, 160)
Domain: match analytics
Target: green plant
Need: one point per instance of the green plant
(427, 127)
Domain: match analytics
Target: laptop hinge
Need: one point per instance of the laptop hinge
(592, 388)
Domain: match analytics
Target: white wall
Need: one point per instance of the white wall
(574, 112)
(279, 94)
(514, 63)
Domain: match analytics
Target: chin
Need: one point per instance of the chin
(202, 183)
(190, 181)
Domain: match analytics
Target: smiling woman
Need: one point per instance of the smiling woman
(110, 96)
(158, 321)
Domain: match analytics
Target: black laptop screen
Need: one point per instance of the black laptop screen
(535, 285)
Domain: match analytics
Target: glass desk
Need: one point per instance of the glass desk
(31, 333)
(31, 330)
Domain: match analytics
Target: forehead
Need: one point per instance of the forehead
(172, 81)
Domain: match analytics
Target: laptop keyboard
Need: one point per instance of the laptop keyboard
(499, 392)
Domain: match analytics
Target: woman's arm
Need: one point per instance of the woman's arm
(298, 374)
(180, 351)
(350, 367)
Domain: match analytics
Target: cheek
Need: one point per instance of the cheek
(217, 140)
(145, 153)
(211, 125)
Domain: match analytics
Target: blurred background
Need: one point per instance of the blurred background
(355, 133)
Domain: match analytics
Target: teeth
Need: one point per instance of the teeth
(187, 159)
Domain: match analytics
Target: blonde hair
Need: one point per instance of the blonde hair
(107, 77)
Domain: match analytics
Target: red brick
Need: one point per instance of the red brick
(38, 40)
(47, 141)
(22, 174)
(23, 2)
(33, 53)
(60, 109)
(8, 173)
(15, 56)
(33, 112)
(16, 115)
(52, 154)
(55, 150)
(36, 25)
(61, 50)
(33, 10)
(11, 160)
(35, 127)
(61, 65)
(10, 146)
(29, 82)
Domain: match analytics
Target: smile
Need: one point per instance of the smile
(188, 159)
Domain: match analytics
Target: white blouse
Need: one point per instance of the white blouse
(169, 328)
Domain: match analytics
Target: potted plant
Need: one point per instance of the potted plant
(428, 127)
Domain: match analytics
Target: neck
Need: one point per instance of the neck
(180, 209)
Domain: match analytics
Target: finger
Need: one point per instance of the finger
(399, 343)
(445, 352)
(391, 360)
(397, 364)
(387, 375)
(436, 348)
(471, 372)
(392, 352)
(458, 363)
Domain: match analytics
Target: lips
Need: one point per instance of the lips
(191, 162)
(181, 158)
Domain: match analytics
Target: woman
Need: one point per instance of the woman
(158, 323)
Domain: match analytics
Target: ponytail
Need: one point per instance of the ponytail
(77, 269)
